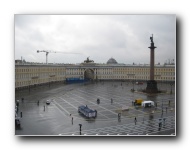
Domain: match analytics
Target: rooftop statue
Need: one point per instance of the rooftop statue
(88, 60)
(151, 39)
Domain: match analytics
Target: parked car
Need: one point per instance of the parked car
(138, 101)
(48, 102)
(147, 104)
(87, 112)
(17, 122)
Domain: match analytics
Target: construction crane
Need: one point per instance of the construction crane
(47, 52)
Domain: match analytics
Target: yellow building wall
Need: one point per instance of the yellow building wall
(26, 75)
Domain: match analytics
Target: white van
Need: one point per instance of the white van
(147, 103)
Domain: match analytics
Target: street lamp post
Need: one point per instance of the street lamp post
(29, 86)
(80, 125)
(171, 84)
(49, 82)
(133, 86)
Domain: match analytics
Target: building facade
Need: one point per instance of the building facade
(38, 74)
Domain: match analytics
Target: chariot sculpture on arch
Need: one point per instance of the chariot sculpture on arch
(88, 60)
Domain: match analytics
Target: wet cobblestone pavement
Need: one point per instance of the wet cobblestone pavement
(56, 118)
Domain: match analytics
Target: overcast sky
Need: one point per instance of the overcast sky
(123, 37)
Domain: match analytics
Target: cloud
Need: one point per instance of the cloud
(123, 37)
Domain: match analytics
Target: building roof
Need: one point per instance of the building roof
(111, 61)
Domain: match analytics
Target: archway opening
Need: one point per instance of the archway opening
(89, 74)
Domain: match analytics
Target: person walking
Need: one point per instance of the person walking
(119, 115)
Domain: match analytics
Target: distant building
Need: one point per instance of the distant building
(111, 61)
(18, 62)
(31, 74)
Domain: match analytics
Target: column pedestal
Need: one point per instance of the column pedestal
(151, 86)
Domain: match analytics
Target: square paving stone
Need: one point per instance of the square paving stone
(111, 116)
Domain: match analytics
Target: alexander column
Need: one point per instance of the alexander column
(151, 84)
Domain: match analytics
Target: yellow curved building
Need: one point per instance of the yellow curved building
(28, 74)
